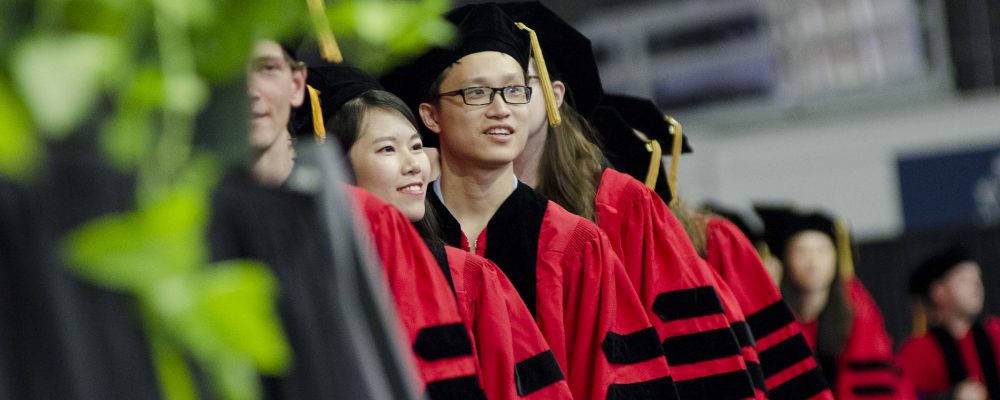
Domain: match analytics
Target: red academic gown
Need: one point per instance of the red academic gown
(512, 355)
(788, 366)
(864, 369)
(426, 305)
(565, 271)
(935, 362)
(696, 318)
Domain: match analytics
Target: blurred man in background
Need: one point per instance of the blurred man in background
(956, 358)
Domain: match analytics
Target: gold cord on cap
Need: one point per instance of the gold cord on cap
(551, 109)
(327, 42)
(675, 156)
(919, 320)
(655, 158)
(319, 129)
(846, 264)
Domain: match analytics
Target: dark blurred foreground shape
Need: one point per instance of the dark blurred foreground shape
(64, 338)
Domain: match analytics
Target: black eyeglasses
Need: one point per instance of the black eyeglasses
(483, 95)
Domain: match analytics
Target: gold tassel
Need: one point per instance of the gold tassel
(551, 109)
(319, 128)
(846, 264)
(675, 157)
(655, 158)
(328, 47)
(919, 319)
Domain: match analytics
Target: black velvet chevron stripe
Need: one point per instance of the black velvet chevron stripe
(756, 376)
(701, 346)
(461, 388)
(632, 348)
(729, 386)
(784, 354)
(743, 335)
(655, 389)
(952, 357)
(873, 390)
(800, 387)
(442, 341)
(687, 303)
(769, 319)
(987, 359)
(437, 250)
(537, 372)
(868, 365)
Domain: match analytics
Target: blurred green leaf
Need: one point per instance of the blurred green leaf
(61, 76)
(171, 368)
(235, 378)
(20, 148)
(133, 251)
(238, 298)
(382, 33)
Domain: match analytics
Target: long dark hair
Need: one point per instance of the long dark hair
(346, 123)
(571, 164)
(834, 322)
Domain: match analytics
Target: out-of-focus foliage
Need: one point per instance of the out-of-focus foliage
(222, 315)
(142, 70)
(378, 34)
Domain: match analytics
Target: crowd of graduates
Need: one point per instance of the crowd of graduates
(534, 246)
(534, 249)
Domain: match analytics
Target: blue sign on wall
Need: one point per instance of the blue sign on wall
(956, 188)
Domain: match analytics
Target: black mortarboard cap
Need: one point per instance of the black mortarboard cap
(936, 267)
(569, 55)
(479, 27)
(643, 115)
(626, 152)
(329, 87)
(781, 223)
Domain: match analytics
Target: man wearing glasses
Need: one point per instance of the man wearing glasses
(474, 97)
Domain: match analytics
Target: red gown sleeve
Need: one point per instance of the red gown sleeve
(678, 292)
(865, 367)
(597, 328)
(922, 363)
(786, 361)
(427, 307)
(515, 361)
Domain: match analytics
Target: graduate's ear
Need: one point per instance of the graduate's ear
(299, 73)
(429, 115)
(559, 90)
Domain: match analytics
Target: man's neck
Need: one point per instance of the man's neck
(473, 195)
(527, 165)
(957, 325)
(813, 304)
(272, 166)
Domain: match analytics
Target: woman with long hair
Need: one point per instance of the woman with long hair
(688, 307)
(378, 133)
(841, 322)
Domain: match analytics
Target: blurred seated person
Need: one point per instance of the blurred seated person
(956, 358)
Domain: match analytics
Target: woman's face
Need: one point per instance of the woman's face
(389, 161)
(811, 259)
(490, 135)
